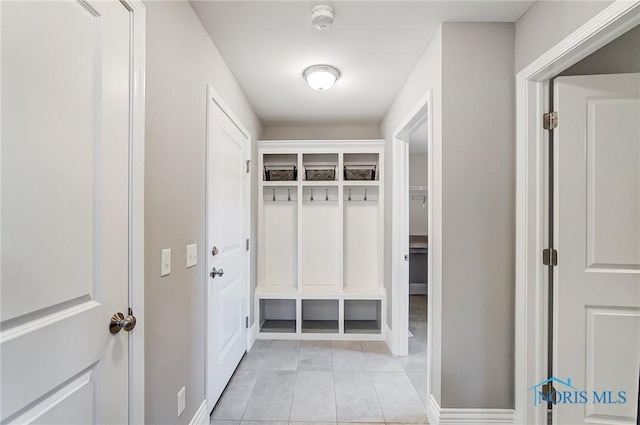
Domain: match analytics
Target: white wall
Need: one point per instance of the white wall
(181, 60)
(427, 75)
(478, 209)
(321, 132)
(417, 177)
(547, 23)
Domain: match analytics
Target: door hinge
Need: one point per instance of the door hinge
(549, 257)
(246, 322)
(550, 120)
(549, 393)
(247, 244)
(248, 165)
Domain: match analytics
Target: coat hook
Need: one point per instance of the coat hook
(288, 194)
(349, 194)
(326, 194)
(274, 195)
(312, 194)
(365, 194)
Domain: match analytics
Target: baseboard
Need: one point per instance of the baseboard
(252, 334)
(388, 336)
(201, 417)
(446, 416)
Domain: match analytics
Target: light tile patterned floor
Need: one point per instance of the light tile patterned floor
(323, 382)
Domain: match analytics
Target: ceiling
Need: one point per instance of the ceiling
(375, 45)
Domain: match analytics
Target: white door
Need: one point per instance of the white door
(227, 230)
(598, 241)
(65, 143)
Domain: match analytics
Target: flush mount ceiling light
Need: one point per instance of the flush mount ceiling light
(321, 77)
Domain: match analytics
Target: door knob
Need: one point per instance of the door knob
(214, 251)
(215, 273)
(118, 321)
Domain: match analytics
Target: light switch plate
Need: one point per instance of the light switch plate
(165, 262)
(181, 400)
(192, 255)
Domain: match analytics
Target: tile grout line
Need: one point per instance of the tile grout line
(295, 382)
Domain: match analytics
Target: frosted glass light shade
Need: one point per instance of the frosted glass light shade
(321, 77)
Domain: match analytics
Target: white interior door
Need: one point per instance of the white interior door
(598, 239)
(227, 230)
(65, 186)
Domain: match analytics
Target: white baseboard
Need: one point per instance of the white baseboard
(201, 417)
(252, 334)
(446, 416)
(388, 336)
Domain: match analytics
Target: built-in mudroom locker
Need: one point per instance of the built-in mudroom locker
(320, 223)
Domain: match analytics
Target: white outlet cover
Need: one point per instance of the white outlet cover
(181, 400)
(165, 262)
(192, 255)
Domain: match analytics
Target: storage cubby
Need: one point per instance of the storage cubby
(320, 316)
(361, 211)
(280, 234)
(320, 166)
(321, 239)
(362, 316)
(280, 167)
(361, 166)
(320, 232)
(278, 315)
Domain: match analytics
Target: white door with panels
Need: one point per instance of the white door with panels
(597, 195)
(227, 233)
(65, 212)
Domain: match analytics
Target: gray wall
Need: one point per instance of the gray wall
(622, 55)
(547, 23)
(478, 204)
(418, 176)
(181, 60)
(321, 132)
(470, 69)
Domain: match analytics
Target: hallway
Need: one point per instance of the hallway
(329, 382)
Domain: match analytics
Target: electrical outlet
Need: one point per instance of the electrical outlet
(192, 255)
(165, 262)
(181, 400)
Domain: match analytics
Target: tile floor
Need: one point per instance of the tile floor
(330, 382)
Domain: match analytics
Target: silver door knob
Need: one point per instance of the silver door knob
(215, 273)
(214, 251)
(118, 321)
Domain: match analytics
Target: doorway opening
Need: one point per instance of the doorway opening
(413, 227)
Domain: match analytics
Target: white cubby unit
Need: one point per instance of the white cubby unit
(320, 237)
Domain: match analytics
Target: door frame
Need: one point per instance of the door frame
(215, 97)
(531, 193)
(136, 353)
(421, 112)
